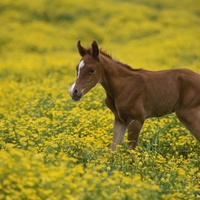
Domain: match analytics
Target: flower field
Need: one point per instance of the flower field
(55, 149)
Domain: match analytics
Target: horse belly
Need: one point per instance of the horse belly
(162, 102)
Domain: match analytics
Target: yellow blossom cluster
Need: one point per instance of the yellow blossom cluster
(54, 148)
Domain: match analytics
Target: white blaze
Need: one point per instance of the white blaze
(81, 65)
(72, 89)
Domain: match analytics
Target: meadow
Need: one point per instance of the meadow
(54, 148)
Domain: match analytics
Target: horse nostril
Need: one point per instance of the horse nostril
(75, 91)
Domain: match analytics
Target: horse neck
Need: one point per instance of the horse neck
(113, 76)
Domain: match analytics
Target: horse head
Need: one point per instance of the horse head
(88, 72)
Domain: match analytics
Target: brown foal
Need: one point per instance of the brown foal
(134, 95)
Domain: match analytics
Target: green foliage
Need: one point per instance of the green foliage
(54, 148)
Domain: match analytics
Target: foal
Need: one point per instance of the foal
(134, 95)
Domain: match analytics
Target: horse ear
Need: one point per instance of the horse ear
(95, 50)
(82, 50)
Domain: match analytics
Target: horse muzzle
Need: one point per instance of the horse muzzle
(75, 94)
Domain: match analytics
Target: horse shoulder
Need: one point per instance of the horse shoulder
(130, 104)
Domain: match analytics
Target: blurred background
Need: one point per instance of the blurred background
(149, 34)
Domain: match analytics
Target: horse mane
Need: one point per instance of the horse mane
(118, 62)
(104, 53)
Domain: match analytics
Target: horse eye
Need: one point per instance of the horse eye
(91, 71)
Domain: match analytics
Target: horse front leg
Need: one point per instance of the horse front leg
(134, 128)
(118, 134)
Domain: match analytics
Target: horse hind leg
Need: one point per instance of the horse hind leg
(190, 118)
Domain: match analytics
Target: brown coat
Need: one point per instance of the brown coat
(136, 94)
